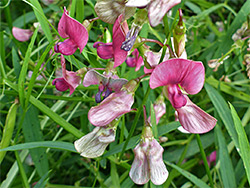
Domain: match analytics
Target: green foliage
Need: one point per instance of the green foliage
(38, 124)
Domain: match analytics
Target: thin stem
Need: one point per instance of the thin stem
(152, 40)
(204, 158)
(137, 116)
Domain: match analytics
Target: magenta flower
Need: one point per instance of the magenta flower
(115, 105)
(190, 76)
(211, 158)
(74, 31)
(113, 50)
(135, 61)
(21, 34)
(70, 79)
(148, 163)
(156, 8)
(93, 145)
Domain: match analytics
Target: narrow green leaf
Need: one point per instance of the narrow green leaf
(42, 182)
(23, 73)
(54, 116)
(35, 73)
(22, 171)
(80, 10)
(16, 62)
(114, 175)
(244, 147)
(32, 133)
(42, 19)
(188, 175)
(43, 144)
(226, 167)
(223, 111)
(8, 129)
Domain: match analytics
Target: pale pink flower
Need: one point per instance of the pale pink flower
(156, 8)
(93, 144)
(113, 50)
(74, 31)
(70, 79)
(190, 76)
(159, 108)
(21, 34)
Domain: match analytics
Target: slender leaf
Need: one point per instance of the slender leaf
(188, 175)
(226, 167)
(223, 111)
(244, 147)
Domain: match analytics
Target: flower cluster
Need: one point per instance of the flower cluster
(168, 69)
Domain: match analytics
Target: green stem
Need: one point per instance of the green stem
(137, 116)
(204, 158)
(22, 172)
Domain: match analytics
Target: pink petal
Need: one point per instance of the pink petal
(131, 61)
(113, 106)
(60, 84)
(120, 30)
(69, 27)
(139, 171)
(104, 51)
(137, 3)
(21, 34)
(116, 84)
(189, 74)
(158, 170)
(195, 120)
(93, 77)
(158, 9)
(175, 96)
(67, 47)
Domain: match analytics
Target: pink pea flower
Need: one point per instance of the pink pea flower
(115, 105)
(135, 61)
(93, 145)
(148, 163)
(113, 50)
(21, 34)
(74, 31)
(190, 76)
(70, 79)
(156, 8)
(107, 83)
(211, 158)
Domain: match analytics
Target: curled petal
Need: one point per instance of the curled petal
(195, 120)
(94, 144)
(113, 106)
(120, 30)
(158, 170)
(189, 74)
(69, 27)
(139, 171)
(175, 96)
(158, 9)
(21, 34)
(104, 50)
(73, 80)
(60, 84)
(135, 61)
(67, 47)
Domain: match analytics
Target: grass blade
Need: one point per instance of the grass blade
(244, 148)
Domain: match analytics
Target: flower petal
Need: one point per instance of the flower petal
(158, 8)
(114, 105)
(158, 170)
(69, 27)
(189, 74)
(93, 77)
(60, 84)
(116, 84)
(139, 171)
(67, 47)
(120, 30)
(195, 120)
(104, 50)
(137, 3)
(89, 145)
(21, 34)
